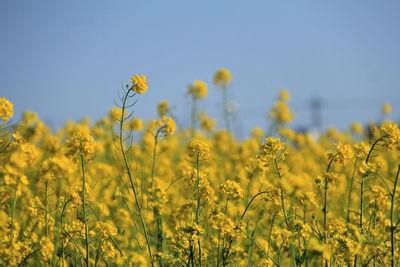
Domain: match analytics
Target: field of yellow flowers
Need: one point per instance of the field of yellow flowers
(124, 192)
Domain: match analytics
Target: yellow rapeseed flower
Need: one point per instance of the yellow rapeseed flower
(163, 108)
(222, 78)
(386, 108)
(46, 248)
(169, 125)
(6, 109)
(135, 124)
(284, 95)
(198, 149)
(198, 89)
(281, 113)
(81, 144)
(139, 84)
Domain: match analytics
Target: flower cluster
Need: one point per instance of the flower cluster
(139, 84)
(6, 109)
(222, 78)
(198, 149)
(169, 125)
(343, 152)
(281, 112)
(391, 135)
(198, 90)
(270, 151)
(81, 144)
(163, 108)
(231, 190)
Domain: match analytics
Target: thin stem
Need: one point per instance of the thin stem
(153, 167)
(392, 228)
(372, 148)
(362, 190)
(251, 200)
(350, 190)
(194, 115)
(13, 209)
(362, 180)
(198, 202)
(62, 240)
(225, 104)
(325, 195)
(84, 212)
(46, 219)
(282, 196)
(270, 231)
(259, 248)
(128, 170)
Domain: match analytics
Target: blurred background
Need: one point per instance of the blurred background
(340, 60)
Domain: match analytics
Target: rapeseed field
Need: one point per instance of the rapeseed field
(127, 192)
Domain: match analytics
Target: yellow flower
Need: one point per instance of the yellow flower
(231, 190)
(222, 77)
(206, 123)
(56, 167)
(139, 84)
(281, 113)
(6, 109)
(105, 229)
(356, 127)
(284, 95)
(163, 108)
(81, 144)
(46, 248)
(115, 114)
(257, 133)
(391, 133)
(198, 149)
(135, 124)
(386, 108)
(198, 89)
(169, 125)
(343, 153)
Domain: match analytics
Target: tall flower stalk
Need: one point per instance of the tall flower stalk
(198, 90)
(81, 147)
(84, 211)
(221, 80)
(139, 86)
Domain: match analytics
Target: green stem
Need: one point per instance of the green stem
(282, 196)
(46, 218)
(361, 203)
(194, 115)
(198, 203)
(325, 195)
(14, 202)
(62, 240)
(153, 167)
(362, 190)
(350, 190)
(97, 253)
(270, 232)
(128, 170)
(251, 200)
(225, 104)
(84, 212)
(326, 201)
(392, 228)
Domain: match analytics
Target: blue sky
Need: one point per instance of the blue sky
(67, 59)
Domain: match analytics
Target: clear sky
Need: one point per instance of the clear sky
(67, 59)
